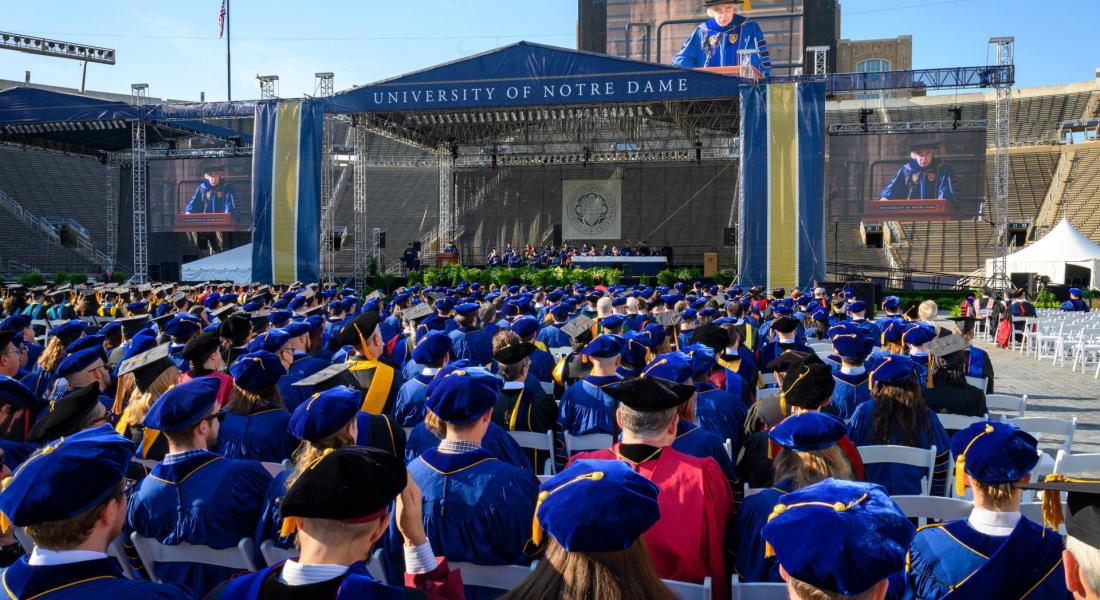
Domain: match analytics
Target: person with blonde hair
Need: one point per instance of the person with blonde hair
(808, 454)
(143, 377)
(44, 371)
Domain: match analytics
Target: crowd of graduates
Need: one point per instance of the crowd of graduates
(387, 421)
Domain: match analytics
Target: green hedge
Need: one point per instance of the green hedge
(31, 279)
(553, 276)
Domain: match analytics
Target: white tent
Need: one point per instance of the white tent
(1049, 256)
(232, 265)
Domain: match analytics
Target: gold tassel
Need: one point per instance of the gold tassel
(960, 474)
(1052, 501)
(536, 529)
(748, 5)
(769, 552)
(290, 525)
(5, 524)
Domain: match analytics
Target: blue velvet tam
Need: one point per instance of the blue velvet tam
(462, 396)
(708, 312)
(655, 332)
(66, 478)
(315, 322)
(604, 346)
(325, 413)
(560, 311)
(69, 330)
(78, 361)
(88, 341)
(918, 335)
(840, 536)
(525, 327)
(279, 304)
(596, 506)
(699, 304)
(467, 309)
(671, 366)
(892, 331)
(808, 431)
(211, 327)
(134, 307)
(702, 358)
(492, 296)
(857, 306)
(820, 314)
(635, 348)
(211, 300)
(1074, 291)
(554, 296)
(510, 309)
(784, 310)
(109, 329)
(852, 346)
(296, 303)
(445, 304)
(271, 340)
(613, 321)
(513, 289)
(278, 318)
(257, 371)
(891, 303)
(431, 348)
(296, 329)
(993, 452)
(183, 405)
(18, 322)
(144, 341)
(891, 369)
(183, 326)
(15, 393)
(619, 301)
(690, 314)
(844, 327)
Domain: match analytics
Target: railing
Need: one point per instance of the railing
(906, 278)
(14, 207)
(1052, 202)
(48, 228)
(58, 222)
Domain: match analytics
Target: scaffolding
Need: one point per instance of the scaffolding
(359, 194)
(325, 87)
(1002, 128)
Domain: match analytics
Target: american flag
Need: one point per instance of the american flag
(221, 20)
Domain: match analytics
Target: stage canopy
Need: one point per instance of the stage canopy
(232, 265)
(1064, 246)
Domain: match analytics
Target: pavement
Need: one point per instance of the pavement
(1052, 391)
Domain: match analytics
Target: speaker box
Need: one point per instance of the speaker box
(557, 235)
(730, 237)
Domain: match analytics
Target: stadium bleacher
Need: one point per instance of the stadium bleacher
(1079, 203)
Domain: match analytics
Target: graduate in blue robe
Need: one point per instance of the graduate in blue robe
(552, 335)
(899, 372)
(76, 475)
(468, 341)
(433, 350)
(584, 408)
(256, 425)
(496, 441)
(542, 364)
(785, 329)
(716, 43)
(718, 411)
(18, 398)
(850, 392)
(995, 552)
(195, 495)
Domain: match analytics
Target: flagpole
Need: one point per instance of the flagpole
(228, 62)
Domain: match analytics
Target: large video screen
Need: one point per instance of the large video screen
(200, 195)
(928, 176)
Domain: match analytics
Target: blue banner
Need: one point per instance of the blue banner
(286, 191)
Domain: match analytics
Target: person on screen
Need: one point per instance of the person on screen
(922, 178)
(213, 195)
(715, 42)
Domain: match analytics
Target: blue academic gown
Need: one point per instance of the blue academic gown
(700, 443)
(914, 182)
(752, 516)
(772, 350)
(472, 344)
(922, 369)
(409, 408)
(357, 582)
(553, 337)
(711, 45)
(1075, 306)
(39, 381)
(849, 392)
(901, 479)
(496, 442)
(871, 330)
(585, 409)
(261, 436)
(101, 578)
(953, 560)
(542, 366)
(304, 366)
(207, 499)
(720, 412)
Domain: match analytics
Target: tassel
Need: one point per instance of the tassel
(1052, 502)
(748, 5)
(5, 524)
(769, 552)
(290, 525)
(536, 529)
(960, 474)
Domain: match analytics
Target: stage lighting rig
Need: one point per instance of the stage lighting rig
(58, 49)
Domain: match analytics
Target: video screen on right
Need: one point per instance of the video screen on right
(928, 176)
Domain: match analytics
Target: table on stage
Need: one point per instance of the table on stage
(200, 222)
(900, 209)
(631, 265)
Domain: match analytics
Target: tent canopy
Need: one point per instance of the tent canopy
(1063, 245)
(232, 265)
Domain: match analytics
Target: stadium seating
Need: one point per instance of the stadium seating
(1079, 202)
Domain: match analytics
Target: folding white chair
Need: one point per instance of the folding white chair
(1077, 464)
(376, 568)
(757, 591)
(273, 554)
(1007, 403)
(152, 552)
(823, 353)
(767, 393)
(274, 468)
(978, 382)
(408, 430)
(903, 455)
(958, 422)
(1037, 426)
(822, 346)
(544, 478)
(582, 443)
(148, 463)
(690, 591)
(498, 577)
(537, 441)
(115, 550)
(547, 387)
(935, 508)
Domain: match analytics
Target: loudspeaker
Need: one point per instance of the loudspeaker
(730, 237)
(382, 239)
(556, 242)
(868, 292)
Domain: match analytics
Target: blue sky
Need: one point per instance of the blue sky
(173, 45)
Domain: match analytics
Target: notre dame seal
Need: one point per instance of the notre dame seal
(593, 210)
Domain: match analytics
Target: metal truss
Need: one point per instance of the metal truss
(359, 195)
(907, 127)
(138, 175)
(447, 213)
(111, 199)
(942, 79)
(1005, 47)
(226, 152)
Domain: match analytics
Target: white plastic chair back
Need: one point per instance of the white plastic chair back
(152, 552)
(936, 508)
(1062, 428)
(498, 577)
(273, 554)
(958, 422)
(582, 443)
(902, 455)
(1006, 403)
(978, 382)
(758, 591)
(690, 591)
(273, 468)
(1077, 465)
(537, 441)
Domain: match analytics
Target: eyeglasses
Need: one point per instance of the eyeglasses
(220, 416)
(128, 486)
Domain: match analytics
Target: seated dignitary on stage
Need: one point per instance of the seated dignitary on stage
(477, 508)
(808, 454)
(995, 552)
(897, 415)
(590, 522)
(520, 408)
(686, 544)
(71, 501)
(340, 507)
(256, 419)
(195, 495)
(378, 381)
(328, 420)
(585, 408)
(839, 539)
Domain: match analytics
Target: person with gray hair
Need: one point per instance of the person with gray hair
(1081, 514)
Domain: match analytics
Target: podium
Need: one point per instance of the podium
(203, 222)
(444, 259)
(913, 209)
(710, 264)
(746, 72)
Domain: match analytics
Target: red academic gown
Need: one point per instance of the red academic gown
(687, 543)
